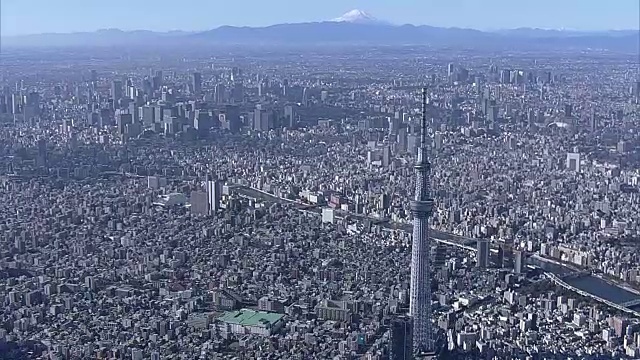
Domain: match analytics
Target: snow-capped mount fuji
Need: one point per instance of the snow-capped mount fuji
(358, 17)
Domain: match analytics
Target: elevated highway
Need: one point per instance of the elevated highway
(436, 235)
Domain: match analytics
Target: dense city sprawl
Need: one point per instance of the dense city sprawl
(260, 207)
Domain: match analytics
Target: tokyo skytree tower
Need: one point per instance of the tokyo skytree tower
(421, 208)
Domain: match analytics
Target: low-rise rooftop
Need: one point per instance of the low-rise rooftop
(248, 317)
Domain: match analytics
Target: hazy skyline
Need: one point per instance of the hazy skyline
(19, 17)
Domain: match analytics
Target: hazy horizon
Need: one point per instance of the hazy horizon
(198, 15)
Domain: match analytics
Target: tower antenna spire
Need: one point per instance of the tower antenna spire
(423, 124)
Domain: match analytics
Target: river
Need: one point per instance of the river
(589, 283)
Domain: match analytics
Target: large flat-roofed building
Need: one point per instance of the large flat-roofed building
(246, 321)
(173, 199)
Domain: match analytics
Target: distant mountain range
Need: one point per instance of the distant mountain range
(353, 28)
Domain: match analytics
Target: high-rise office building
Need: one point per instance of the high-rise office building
(131, 92)
(401, 339)
(238, 92)
(232, 116)
(214, 193)
(202, 121)
(116, 91)
(394, 125)
(220, 94)
(148, 114)
(439, 256)
(147, 87)
(492, 114)
(135, 112)
(482, 260)
(593, 121)
(199, 203)
(386, 156)
(16, 104)
(42, 158)
(518, 262)
(262, 120)
(421, 208)
(505, 254)
(157, 80)
(236, 73)
(31, 106)
(290, 115)
(122, 120)
(402, 139)
(505, 76)
(196, 83)
(568, 110)
(3, 105)
(620, 325)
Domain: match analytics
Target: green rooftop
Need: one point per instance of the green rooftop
(247, 317)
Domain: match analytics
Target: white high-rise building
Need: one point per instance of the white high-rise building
(573, 162)
(214, 194)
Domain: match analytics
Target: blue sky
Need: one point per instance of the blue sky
(38, 16)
